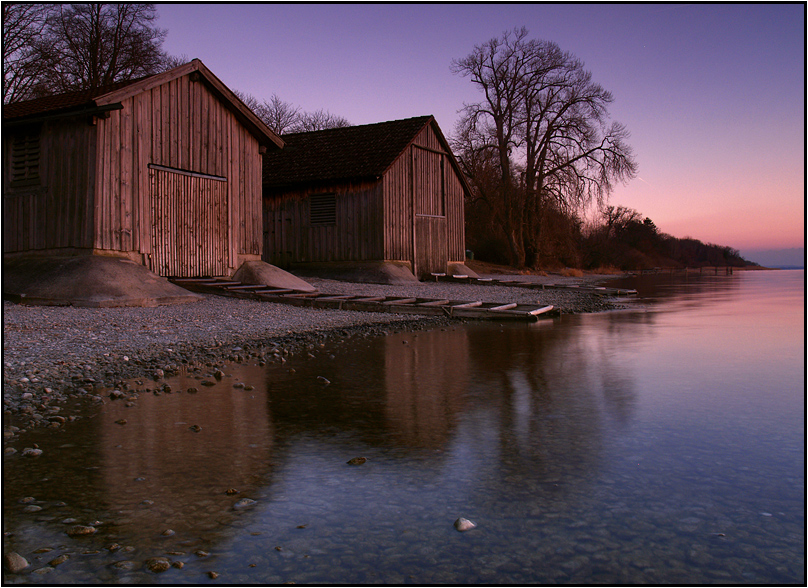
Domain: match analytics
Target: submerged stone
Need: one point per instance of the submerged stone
(79, 530)
(243, 503)
(462, 524)
(158, 564)
(14, 562)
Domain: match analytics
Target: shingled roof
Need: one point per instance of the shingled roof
(56, 103)
(345, 153)
(105, 98)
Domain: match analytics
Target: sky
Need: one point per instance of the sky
(712, 94)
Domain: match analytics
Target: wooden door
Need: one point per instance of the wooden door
(429, 199)
(189, 224)
(431, 253)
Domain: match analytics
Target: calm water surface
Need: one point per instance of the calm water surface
(662, 444)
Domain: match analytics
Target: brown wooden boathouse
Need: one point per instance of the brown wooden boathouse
(164, 171)
(385, 192)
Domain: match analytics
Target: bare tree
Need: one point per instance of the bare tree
(172, 61)
(617, 218)
(547, 124)
(280, 116)
(284, 117)
(92, 45)
(319, 120)
(23, 24)
(492, 125)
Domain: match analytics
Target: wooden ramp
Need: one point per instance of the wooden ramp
(598, 290)
(392, 304)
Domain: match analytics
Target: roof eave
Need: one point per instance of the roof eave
(319, 183)
(89, 109)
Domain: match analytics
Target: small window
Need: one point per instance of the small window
(323, 209)
(25, 158)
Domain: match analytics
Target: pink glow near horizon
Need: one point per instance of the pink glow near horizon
(713, 95)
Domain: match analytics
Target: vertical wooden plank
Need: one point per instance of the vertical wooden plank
(183, 123)
(156, 127)
(124, 228)
(58, 227)
(100, 182)
(113, 194)
(174, 123)
(143, 221)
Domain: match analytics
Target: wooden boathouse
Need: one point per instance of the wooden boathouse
(390, 192)
(164, 171)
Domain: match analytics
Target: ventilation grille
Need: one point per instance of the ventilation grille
(323, 209)
(25, 158)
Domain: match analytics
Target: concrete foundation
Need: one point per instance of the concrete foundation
(373, 272)
(87, 280)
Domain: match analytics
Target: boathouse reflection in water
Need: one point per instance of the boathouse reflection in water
(181, 452)
(477, 406)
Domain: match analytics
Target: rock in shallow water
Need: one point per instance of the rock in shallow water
(78, 530)
(243, 503)
(14, 562)
(59, 560)
(158, 564)
(462, 524)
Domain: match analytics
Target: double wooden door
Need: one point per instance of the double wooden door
(190, 224)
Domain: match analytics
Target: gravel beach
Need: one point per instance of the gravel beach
(52, 354)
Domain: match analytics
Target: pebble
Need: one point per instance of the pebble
(59, 560)
(462, 524)
(158, 564)
(14, 562)
(78, 530)
(244, 503)
(356, 461)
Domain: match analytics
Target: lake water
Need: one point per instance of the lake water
(660, 444)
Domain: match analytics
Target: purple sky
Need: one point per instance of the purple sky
(713, 95)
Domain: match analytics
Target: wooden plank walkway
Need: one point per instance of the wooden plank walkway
(394, 304)
(599, 290)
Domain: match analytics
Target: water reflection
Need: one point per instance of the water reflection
(623, 448)
(150, 471)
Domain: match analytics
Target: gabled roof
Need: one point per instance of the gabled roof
(363, 152)
(107, 97)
